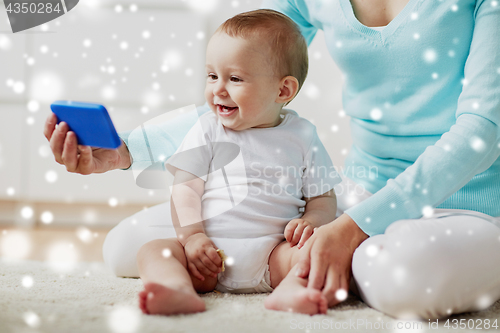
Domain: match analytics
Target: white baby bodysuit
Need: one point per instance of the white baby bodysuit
(255, 181)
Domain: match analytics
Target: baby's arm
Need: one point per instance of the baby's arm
(185, 203)
(318, 211)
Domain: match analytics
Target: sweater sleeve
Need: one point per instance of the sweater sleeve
(160, 138)
(296, 10)
(470, 147)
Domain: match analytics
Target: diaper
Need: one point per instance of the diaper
(263, 287)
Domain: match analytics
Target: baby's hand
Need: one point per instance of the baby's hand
(298, 231)
(201, 255)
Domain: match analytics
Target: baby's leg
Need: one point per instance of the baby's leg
(291, 292)
(168, 286)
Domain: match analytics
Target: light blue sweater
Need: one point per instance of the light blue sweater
(423, 95)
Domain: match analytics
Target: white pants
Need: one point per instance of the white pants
(418, 269)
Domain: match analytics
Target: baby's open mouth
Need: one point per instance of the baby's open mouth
(225, 110)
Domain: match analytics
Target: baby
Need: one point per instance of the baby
(251, 179)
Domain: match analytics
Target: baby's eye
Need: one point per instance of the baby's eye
(235, 79)
(212, 76)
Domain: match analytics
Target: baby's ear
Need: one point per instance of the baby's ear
(289, 87)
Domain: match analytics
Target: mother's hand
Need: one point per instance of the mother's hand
(82, 159)
(326, 257)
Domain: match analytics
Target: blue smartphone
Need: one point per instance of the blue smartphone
(90, 122)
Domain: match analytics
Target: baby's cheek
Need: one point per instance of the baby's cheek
(208, 94)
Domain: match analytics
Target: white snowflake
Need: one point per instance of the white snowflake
(484, 302)
(10, 191)
(167, 253)
(5, 43)
(427, 211)
(31, 319)
(430, 56)
(372, 250)
(16, 244)
(341, 294)
(203, 6)
(477, 144)
(113, 202)
(47, 217)
(18, 87)
(51, 176)
(27, 281)
(376, 114)
(84, 234)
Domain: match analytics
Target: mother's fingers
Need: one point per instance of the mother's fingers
(336, 287)
(304, 263)
(319, 266)
(85, 161)
(50, 125)
(69, 154)
(57, 141)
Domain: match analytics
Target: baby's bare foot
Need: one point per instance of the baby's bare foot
(159, 299)
(291, 295)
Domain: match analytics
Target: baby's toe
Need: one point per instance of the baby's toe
(323, 305)
(142, 301)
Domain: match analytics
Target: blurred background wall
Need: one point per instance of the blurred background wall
(139, 59)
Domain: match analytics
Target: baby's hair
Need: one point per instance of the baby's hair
(284, 36)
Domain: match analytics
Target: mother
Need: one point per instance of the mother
(422, 89)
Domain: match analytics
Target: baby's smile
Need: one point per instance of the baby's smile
(226, 111)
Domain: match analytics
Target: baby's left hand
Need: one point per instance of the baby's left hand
(298, 231)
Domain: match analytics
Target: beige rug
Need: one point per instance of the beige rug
(38, 297)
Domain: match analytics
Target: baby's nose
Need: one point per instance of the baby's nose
(220, 90)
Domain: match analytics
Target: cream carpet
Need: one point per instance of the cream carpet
(39, 297)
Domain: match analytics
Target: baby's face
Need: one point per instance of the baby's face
(242, 86)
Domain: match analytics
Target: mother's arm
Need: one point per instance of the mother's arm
(470, 147)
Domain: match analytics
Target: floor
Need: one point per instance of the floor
(81, 244)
